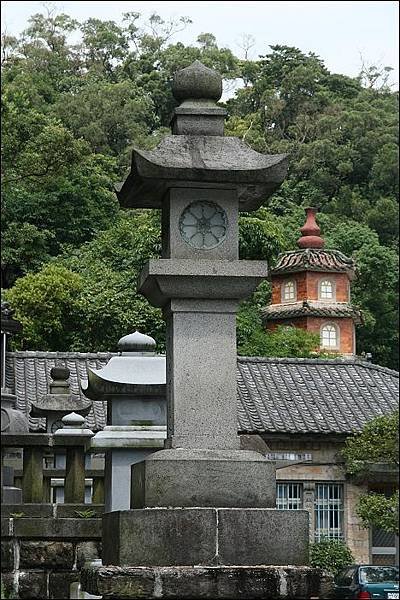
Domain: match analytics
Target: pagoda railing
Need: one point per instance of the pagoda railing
(35, 479)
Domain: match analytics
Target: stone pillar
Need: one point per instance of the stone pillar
(74, 437)
(201, 344)
(357, 537)
(32, 481)
(309, 505)
(12, 420)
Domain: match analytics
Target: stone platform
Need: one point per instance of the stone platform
(217, 583)
(207, 478)
(157, 537)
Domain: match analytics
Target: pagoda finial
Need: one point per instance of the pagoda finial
(310, 231)
(197, 82)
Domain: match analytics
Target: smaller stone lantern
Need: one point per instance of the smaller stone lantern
(133, 385)
(59, 402)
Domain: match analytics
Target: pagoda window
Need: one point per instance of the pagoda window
(329, 336)
(326, 290)
(289, 291)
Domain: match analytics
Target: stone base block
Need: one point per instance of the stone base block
(11, 495)
(218, 583)
(205, 536)
(207, 478)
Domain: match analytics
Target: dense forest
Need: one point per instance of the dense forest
(71, 113)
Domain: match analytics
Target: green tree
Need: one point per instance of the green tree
(47, 305)
(86, 299)
(377, 443)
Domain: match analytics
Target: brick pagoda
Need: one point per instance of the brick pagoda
(311, 290)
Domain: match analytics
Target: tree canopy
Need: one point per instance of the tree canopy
(71, 113)
(376, 444)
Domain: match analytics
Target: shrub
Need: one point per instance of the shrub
(332, 555)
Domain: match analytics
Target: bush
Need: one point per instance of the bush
(332, 555)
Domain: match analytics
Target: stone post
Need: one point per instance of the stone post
(74, 436)
(32, 479)
(309, 505)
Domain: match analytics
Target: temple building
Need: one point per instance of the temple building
(311, 290)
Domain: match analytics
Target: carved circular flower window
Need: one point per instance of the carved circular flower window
(203, 225)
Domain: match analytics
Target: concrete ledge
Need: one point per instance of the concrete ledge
(27, 510)
(72, 510)
(45, 528)
(220, 583)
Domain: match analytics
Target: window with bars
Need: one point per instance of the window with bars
(289, 496)
(328, 511)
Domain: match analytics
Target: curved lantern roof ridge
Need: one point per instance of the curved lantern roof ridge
(137, 370)
(206, 159)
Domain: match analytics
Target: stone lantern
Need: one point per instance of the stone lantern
(133, 385)
(59, 401)
(203, 519)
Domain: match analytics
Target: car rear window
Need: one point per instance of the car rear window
(379, 574)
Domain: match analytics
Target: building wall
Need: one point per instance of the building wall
(346, 331)
(307, 285)
(313, 324)
(326, 467)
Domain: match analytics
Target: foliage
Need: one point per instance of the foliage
(380, 511)
(71, 113)
(284, 341)
(376, 443)
(47, 306)
(86, 299)
(88, 513)
(332, 555)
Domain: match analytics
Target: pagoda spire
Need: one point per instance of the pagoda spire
(310, 231)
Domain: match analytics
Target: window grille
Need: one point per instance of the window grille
(329, 336)
(289, 496)
(328, 511)
(326, 290)
(289, 291)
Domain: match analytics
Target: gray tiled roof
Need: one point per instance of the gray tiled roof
(285, 395)
(298, 395)
(28, 376)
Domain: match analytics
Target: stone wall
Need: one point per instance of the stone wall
(43, 550)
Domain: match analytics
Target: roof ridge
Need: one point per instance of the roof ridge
(257, 359)
(318, 360)
(56, 354)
